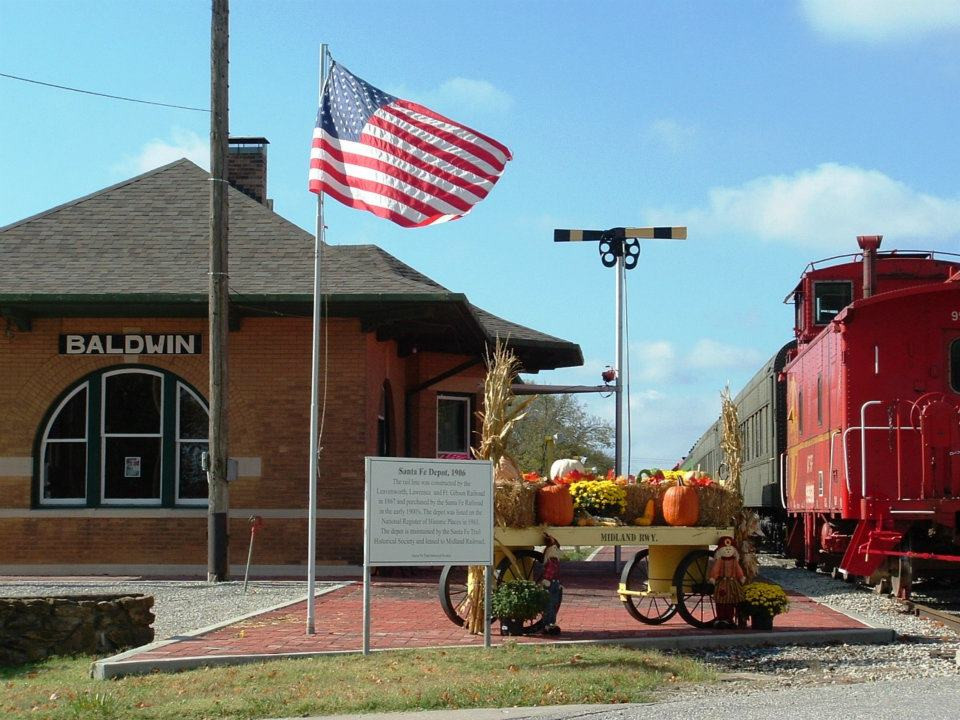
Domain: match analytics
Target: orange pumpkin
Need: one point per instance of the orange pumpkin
(681, 505)
(555, 505)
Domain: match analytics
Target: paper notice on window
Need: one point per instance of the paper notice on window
(131, 467)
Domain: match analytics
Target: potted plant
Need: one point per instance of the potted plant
(516, 602)
(762, 601)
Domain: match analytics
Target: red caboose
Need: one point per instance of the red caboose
(872, 467)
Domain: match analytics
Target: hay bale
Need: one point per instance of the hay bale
(515, 503)
(718, 505)
(637, 497)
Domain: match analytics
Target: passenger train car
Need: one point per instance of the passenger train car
(861, 454)
(761, 408)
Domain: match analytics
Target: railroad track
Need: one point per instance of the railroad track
(937, 599)
(945, 617)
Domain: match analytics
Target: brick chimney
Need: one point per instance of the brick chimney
(247, 167)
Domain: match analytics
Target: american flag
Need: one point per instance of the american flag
(398, 159)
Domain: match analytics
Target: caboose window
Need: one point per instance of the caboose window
(829, 299)
(800, 411)
(955, 365)
(819, 399)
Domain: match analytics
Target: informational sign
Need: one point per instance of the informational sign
(131, 344)
(428, 512)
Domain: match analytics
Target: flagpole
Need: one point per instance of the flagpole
(314, 391)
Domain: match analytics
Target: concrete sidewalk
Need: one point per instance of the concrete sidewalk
(406, 613)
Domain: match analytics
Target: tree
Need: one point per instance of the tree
(578, 434)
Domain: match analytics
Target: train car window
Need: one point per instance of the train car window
(819, 399)
(800, 411)
(955, 365)
(829, 299)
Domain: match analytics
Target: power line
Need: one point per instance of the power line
(99, 94)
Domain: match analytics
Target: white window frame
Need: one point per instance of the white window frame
(104, 500)
(176, 498)
(47, 439)
(466, 400)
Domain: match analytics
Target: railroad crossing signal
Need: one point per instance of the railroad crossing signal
(620, 241)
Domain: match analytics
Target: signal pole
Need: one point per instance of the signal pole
(619, 248)
(218, 568)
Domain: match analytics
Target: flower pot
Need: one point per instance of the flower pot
(511, 627)
(761, 621)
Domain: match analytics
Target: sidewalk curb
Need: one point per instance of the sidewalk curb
(118, 665)
(97, 668)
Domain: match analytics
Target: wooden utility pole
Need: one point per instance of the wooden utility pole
(217, 557)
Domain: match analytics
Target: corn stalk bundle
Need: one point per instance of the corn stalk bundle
(499, 416)
(746, 522)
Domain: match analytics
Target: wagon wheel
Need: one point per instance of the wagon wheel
(529, 566)
(694, 591)
(636, 577)
(453, 592)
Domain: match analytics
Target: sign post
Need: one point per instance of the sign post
(426, 512)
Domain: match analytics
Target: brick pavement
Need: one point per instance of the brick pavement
(406, 614)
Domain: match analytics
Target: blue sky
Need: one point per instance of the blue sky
(776, 131)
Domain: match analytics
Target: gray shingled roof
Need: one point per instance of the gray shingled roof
(148, 237)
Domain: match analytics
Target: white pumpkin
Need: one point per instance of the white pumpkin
(562, 467)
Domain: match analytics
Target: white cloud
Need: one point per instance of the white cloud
(827, 207)
(157, 152)
(878, 20)
(459, 95)
(670, 134)
(654, 362)
(664, 427)
(659, 361)
(710, 354)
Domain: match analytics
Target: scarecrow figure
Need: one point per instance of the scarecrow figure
(728, 578)
(551, 581)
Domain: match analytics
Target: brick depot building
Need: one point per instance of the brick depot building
(104, 377)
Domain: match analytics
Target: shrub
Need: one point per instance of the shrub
(599, 497)
(519, 600)
(765, 598)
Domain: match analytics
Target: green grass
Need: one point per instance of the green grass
(571, 553)
(524, 675)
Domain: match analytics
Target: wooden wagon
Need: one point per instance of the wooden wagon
(667, 576)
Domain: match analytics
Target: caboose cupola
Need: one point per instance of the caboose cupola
(828, 286)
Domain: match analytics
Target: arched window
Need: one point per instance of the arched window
(128, 436)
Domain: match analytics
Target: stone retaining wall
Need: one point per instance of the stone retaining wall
(33, 628)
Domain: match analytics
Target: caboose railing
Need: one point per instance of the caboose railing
(862, 428)
(863, 445)
(783, 479)
(833, 443)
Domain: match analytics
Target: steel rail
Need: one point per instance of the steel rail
(951, 620)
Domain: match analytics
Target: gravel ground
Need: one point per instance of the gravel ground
(180, 605)
(925, 649)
